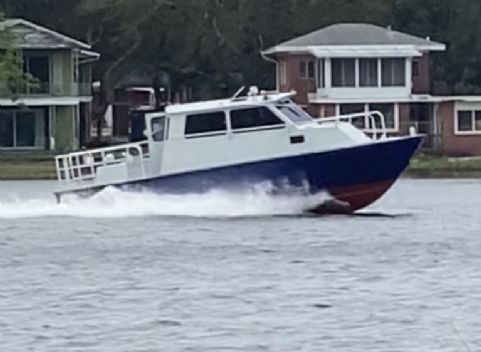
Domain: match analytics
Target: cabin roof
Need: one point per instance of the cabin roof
(223, 104)
(357, 34)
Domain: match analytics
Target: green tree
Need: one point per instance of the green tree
(12, 76)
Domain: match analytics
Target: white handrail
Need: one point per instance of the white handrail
(371, 120)
(82, 165)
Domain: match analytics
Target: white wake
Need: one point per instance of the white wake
(114, 203)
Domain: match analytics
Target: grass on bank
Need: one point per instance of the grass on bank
(442, 166)
(27, 166)
(41, 166)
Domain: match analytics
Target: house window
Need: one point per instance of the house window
(321, 69)
(205, 123)
(22, 128)
(349, 109)
(415, 68)
(388, 110)
(368, 73)
(306, 69)
(39, 68)
(343, 72)
(469, 121)
(254, 117)
(393, 72)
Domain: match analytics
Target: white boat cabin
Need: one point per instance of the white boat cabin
(208, 135)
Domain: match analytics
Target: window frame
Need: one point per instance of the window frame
(41, 87)
(307, 69)
(233, 130)
(212, 133)
(473, 131)
(376, 72)
(342, 62)
(165, 134)
(305, 118)
(392, 82)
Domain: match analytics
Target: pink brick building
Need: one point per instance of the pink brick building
(355, 67)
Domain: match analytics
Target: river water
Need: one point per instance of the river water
(240, 272)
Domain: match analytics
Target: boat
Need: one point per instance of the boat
(260, 137)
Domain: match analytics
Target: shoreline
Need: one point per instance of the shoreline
(41, 166)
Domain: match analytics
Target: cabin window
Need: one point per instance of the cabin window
(343, 72)
(393, 72)
(294, 113)
(254, 117)
(205, 123)
(368, 75)
(469, 121)
(159, 130)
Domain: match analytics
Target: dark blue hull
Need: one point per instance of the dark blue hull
(355, 176)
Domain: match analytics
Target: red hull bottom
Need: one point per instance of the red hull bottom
(349, 199)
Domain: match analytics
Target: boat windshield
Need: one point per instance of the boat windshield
(293, 112)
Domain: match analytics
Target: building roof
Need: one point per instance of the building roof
(29, 35)
(355, 34)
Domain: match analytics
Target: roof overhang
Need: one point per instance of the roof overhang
(415, 98)
(45, 101)
(364, 51)
(358, 51)
(88, 56)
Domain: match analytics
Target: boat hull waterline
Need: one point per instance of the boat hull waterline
(355, 177)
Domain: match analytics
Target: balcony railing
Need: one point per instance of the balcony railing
(49, 89)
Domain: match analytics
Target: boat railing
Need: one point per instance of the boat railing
(372, 123)
(82, 166)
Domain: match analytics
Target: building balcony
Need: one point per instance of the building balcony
(49, 89)
(360, 93)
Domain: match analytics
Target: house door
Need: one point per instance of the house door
(22, 129)
(422, 117)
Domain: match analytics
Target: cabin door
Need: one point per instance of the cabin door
(159, 131)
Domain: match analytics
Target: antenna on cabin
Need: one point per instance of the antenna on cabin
(241, 89)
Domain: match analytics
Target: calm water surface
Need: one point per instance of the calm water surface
(146, 273)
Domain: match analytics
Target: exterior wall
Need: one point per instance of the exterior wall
(293, 81)
(455, 144)
(65, 128)
(322, 110)
(404, 118)
(422, 83)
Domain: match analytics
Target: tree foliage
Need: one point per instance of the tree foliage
(211, 47)
(12, 75)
